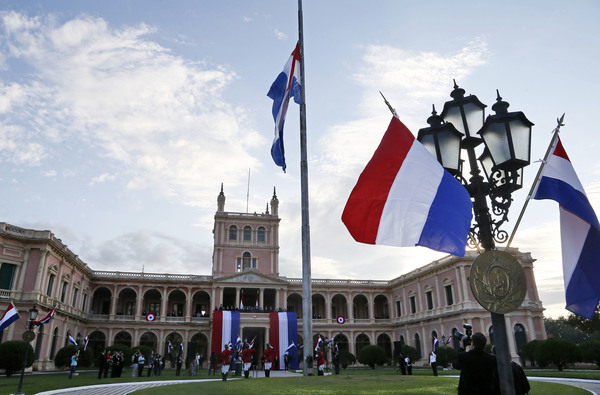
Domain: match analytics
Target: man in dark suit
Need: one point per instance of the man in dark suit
(478, 369)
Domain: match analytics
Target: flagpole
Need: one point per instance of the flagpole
(555, 132)
(306, 269)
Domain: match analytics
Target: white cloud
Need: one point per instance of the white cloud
(280, 35)
(102, 178)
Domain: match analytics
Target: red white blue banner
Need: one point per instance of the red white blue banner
(284, 331)
(225, 329)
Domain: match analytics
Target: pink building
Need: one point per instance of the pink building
(116, 307)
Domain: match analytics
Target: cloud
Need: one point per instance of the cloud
(102, 178)
(280, 35)
(128, 100)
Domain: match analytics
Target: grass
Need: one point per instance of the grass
(350, 381)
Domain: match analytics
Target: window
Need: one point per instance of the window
(261, 235)
(449, 298)
(413, 305)
(50, 284)
(130, 308)
(247, 233)
(63, 293)
(154, 308)
(429, 297)
(7, 274)
(75, 292)
(233, 233)
(398, 308)
(83, 305)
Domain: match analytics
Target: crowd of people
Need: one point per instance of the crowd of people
(112, 363)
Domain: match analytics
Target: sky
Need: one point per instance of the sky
(120, 120)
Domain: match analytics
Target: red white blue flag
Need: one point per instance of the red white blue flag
(46, 318)
(226, 326)
(9, 316)
(284, 333)
(71, 339)
(285, 85)
(435, 343)
(86, 340)
(579, 228)
(404, 197)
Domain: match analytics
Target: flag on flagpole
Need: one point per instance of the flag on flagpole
(285, 85)
(257, 300)
(292, 345)
(85, 342)
(9, 316)
(251, 345)
(435, 343)
(242, 299)
(404, 197)
(169, 346)
(319, 342)
(46, 318)
(448, 341)
(71, 339)
(579, 228)
(181, 347)
(238, 343)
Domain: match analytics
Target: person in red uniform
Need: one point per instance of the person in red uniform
(225, 361)
(247, 359)
(320, 362)
(269, 354)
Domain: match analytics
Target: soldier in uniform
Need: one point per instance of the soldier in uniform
(225, 360)
(247, 359)
(320, 361)
(269, 355)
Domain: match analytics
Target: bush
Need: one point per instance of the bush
(127, 353)
(558, 352)
(372, 355)
(445, 355)
(411, 352)
(346, 358)
(62, 359)
(528, 351)
(590, 351)
(11, 356)
(144, 350)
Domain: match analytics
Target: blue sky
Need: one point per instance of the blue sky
(119, 120)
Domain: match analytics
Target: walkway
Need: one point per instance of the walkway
(127, 388)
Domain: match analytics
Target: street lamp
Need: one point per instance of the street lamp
(507, 140)
(28, 336)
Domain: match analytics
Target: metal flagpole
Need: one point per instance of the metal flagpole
(306, 275)
(537, 178)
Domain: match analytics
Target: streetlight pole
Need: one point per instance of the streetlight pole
(507, 138)
(28, 336)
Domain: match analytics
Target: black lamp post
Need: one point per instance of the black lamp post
(507, 138)
(28, 336)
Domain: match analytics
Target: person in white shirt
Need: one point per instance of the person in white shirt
(433, 363)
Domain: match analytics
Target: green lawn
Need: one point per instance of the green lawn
(350, 381)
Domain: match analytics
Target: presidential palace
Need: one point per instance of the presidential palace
(155, 309)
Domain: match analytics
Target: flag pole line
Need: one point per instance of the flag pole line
(555, 132)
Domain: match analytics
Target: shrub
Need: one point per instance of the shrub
(445, 355)
(411, 352)
(590, 351)
(127, 353)
(558, 352)
(528, 351)
(144, 350)
(62, 359)
(372, 355)
(12, 354)
(346, 358)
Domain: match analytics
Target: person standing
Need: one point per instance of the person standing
(269, 355)
(335, 358)
(402, 363)
(433, 363)
(141, 363)
(102, 364)
(478, 369)
(247, 359)
(320, 362)
(134, 363)
(408, 363)
(74, 358)
(225, 360)
(179, 363)
(109, 362)
(212, 363)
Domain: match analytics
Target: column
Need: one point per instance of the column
(163, 305)
(277, 299)
(237, 297)
(39, 283)
(328, 307)
(510, 337)
(188, 305)
(465, 286)
(138, 304)
(261, 298)
(22, 272)
(113, 302)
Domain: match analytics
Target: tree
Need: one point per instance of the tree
(409, 351)
(12, 354)
(560, 327)
(127, 353)
(590, 351)
(589, 327)
(558, 352)
(445, 355)
(346, 358)
(529, 349)
(372, 355)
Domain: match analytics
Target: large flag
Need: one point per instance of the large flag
(9, 316)
(404, 197)
(46, 318)
(226, 326)
(579, 228)
(283, 332)
(285, 85)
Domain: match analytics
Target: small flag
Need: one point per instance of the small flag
(435, 344)
(85, 342)
(579, 228)
(46, 318)
(71, 339)
(285, 85)
(181, 348)
(251, 345)
(257, 300)
(319, 343)
(169, 346)
(448, 341)
(238, 343)
(242, 300)
(292, 345)
(9, 316)
(404, 197)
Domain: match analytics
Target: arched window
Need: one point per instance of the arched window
(233, 233)
(418, 345)
(520, 337)
(261, 235)
(54, 340)
(38, 342)
(247, 233)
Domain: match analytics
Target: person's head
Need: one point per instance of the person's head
(479, 341)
